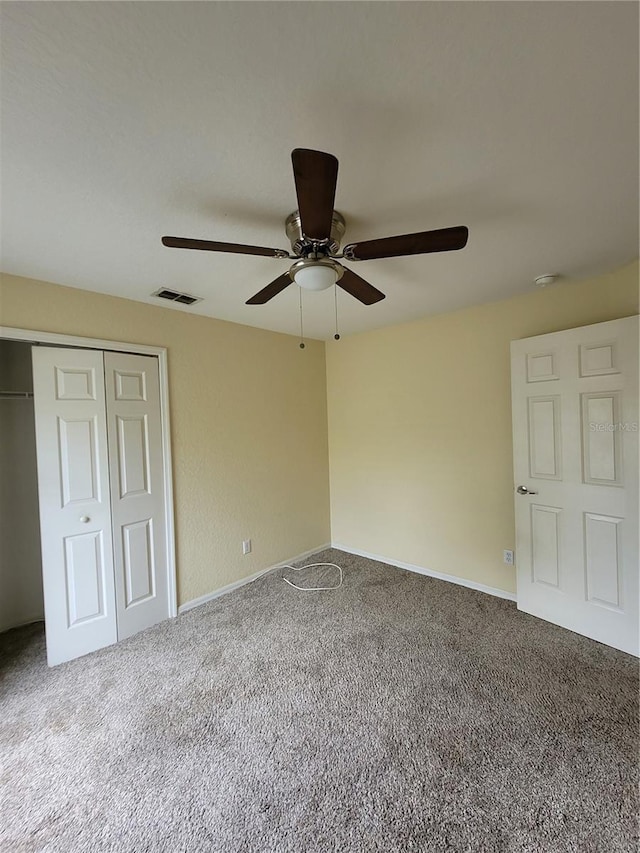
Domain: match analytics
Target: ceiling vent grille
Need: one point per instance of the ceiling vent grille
(175, 296)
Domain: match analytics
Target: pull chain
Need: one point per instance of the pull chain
(301, 326)
(335, 296)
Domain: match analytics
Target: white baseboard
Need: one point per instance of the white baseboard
(22, 623)
(420, 570)
(196, 602)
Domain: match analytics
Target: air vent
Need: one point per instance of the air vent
(175, 296)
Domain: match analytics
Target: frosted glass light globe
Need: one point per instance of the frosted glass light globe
(315, 277)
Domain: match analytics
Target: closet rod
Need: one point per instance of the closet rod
(16, 395)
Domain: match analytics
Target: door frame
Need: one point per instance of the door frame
(34, 336)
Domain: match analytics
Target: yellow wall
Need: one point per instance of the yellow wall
(248, 424)
(420, 427)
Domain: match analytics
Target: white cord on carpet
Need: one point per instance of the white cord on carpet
(313, 588)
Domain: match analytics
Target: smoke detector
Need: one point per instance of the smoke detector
(545, 280)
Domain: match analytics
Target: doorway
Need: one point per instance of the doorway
(20, 556)
(21, 595)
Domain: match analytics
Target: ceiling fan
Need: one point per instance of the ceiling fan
(315, 231)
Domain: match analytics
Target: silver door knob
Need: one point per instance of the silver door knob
(523, 490)
(85, 519)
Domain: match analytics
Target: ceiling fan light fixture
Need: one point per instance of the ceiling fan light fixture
(315, 231)
(315, 276)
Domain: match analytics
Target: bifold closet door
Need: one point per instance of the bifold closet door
(102, 497)
(137, 491)
(74, 499)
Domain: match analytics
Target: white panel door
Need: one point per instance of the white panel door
(137, 491)
(575, 435)
(75, 511)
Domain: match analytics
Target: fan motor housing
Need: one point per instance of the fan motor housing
(293, 230)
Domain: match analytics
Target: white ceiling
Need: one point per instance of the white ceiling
(126, 121)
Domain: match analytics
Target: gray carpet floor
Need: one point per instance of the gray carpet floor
(399, 713)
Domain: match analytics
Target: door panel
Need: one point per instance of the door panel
(544, 437)
(601, 447)
(545, 541)
(598, 359)
(602, 540)
(137, 486)
(79, 463)
(77, 384)
(75, 513)
(133, 455)
(575, 436)
(85, 581)
(139, 570)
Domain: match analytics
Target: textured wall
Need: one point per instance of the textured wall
(420, 427)
(21, 597)
(248, 424)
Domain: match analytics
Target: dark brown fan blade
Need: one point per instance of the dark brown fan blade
(270, 290)
(211, 246)
(315, 174)
(442, 240)
(359, 288)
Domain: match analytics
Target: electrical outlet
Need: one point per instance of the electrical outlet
(246, 546)
(508, 557)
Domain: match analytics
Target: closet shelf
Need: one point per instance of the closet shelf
(16, 395)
